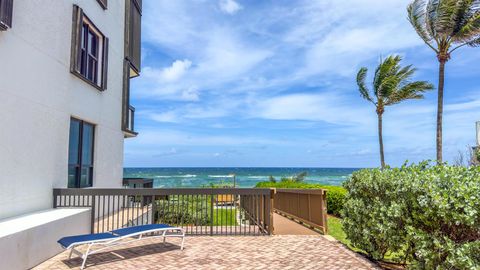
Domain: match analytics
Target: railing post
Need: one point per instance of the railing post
(153, 210)
(324, 212)
(55, 198)
(211, 213)
(92, 215)
(269, 211)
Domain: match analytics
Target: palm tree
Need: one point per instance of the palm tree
(391, 85)
(445, 26)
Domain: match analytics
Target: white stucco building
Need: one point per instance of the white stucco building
(64, 97)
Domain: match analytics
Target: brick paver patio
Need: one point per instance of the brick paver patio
(205, 252)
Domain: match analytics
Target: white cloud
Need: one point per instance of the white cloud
(326, 107)
(168, 74)
(173, 138)
(229, 6)
(177, 70)
(169, 117)
(190, 94)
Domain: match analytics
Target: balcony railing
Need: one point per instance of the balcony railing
(307, 206)
(200, 211)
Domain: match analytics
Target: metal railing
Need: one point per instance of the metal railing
(200, 211)
(307, 206)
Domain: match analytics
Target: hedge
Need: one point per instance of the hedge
(429, 213)
(335, 194)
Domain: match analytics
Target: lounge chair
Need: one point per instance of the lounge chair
(115, 237)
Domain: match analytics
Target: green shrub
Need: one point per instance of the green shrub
(431, 214)
(335, 194)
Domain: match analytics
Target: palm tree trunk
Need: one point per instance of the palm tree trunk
(380, 139)
(441, 83)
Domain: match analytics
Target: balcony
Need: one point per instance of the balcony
(243, 217)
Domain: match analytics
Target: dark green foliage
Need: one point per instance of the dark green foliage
(192, 211)
(335, 195)
(429, 213)
(272, 179)
(177, 210)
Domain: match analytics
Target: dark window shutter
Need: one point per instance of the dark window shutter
(6, 12)
(103, 3)
(77, 22)
(105, 64)
(134, 34)
(125, 94)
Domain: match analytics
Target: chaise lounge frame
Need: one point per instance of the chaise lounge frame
(115, 237)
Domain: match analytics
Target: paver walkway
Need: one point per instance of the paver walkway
(222, 252)
(285, 226)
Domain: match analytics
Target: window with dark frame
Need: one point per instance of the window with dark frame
(80, 154)
(132, 62)
(103, 3)
(89, 58)
(133, 36)
(6, 12)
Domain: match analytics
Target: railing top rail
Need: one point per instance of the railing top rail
(160, 191)
(301, 191)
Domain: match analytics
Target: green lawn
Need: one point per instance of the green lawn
(224, 217)
(335, 229)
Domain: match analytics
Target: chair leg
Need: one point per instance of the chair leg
(70, 255)
(183, 240)
(85, 256)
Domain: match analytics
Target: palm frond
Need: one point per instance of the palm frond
(446, 14)
(463, 14)
(469, 30)
(362, 87)
(413, 90)
(416, 16)
(406, 73)
(383, 80)
(431, 18)
(474, 43)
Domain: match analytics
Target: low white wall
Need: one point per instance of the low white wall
(28, 240)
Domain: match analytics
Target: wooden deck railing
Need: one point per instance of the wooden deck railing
(308, 206)
(200, 211)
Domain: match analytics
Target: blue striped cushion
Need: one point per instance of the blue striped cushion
(67, 241)
(139, 229)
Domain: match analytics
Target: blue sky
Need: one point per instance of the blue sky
(272, 83)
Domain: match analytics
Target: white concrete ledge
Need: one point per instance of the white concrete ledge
(30, 239)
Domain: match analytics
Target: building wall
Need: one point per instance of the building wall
(38, 95)
(26, 241)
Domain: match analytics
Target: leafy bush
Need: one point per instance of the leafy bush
(335, 195)
(295, 178)
(429, 213)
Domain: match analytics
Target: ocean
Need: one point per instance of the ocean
(245, 177)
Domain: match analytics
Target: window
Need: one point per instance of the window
(80, 154)
(103, 3)
(89, 51)
(128, 111)
(133, 19)
(6, 10)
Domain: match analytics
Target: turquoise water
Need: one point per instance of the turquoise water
(245, 177)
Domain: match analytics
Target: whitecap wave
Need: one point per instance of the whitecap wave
(219, 176)
(177, 176)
